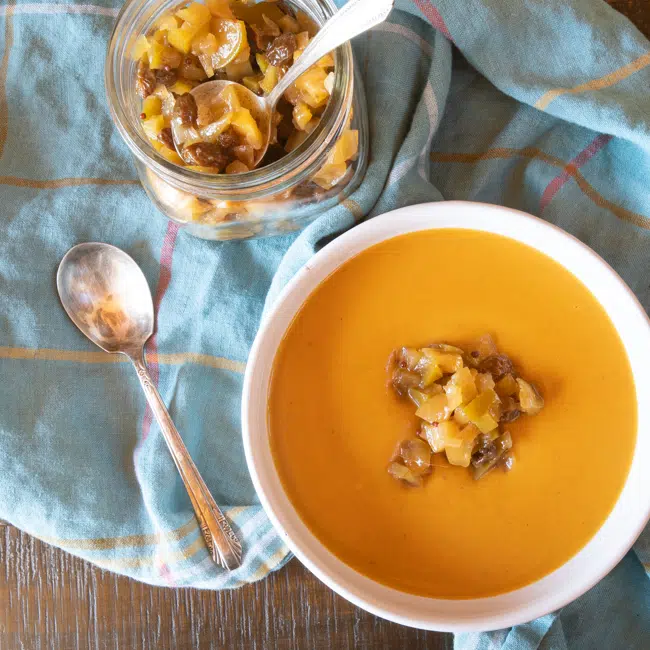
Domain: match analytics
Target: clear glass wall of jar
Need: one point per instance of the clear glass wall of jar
(278, 198)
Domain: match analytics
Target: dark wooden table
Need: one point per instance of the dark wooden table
(51, 600)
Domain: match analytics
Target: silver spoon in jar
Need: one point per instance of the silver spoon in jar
(354, 18)
(107, 297)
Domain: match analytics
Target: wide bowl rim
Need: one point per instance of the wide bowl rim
(576, 576)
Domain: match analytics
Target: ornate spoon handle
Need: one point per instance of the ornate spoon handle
(222, 543)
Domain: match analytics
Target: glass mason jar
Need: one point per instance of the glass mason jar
(280, 197)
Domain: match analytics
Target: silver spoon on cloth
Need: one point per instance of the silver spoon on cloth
(107, 297)
(354, 18)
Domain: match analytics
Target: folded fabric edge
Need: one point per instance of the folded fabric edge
(178, 557)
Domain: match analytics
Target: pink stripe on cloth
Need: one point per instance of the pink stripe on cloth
(433, 16)
(164, 278)
(568, 172)
(165, 573)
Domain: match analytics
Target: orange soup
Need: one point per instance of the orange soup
(334, 420)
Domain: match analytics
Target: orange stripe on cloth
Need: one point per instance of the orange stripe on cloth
(4, 66)
(127, 541)
(533, 153)
(596, 84)
(149, 561)
(59, 183)
(354, 208)
(596, 145)
(79, 356)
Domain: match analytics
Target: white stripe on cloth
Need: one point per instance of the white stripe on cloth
(431, 104)
(49, 9)
(254, 558)
(206, 565)
(401, 169)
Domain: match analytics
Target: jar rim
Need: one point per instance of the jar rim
(137, 16)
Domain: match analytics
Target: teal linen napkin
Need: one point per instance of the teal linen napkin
(542, 105)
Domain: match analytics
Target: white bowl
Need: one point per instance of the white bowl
(581, 572)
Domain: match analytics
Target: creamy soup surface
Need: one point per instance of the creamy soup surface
(334, 421)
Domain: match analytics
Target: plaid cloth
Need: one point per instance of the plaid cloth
(540, 105)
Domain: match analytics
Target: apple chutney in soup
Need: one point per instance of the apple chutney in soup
(335, 418)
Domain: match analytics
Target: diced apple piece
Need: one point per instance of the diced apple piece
(328, 176)
(246, 126)
(236, 167)
(329, 83)
(254, 14)
(460, 416)
(484, 411)
(345, 148)
(252, 83)
(232, 40)
(182, 37)
(161, 56)
(153, 126)
(435, 409)
(409, 357)
(306, 23)
(438, 434)
(212, 131)
(230, 98)
(166, 152)
(270, 80)
(236, 71)
(460, 389)
(301, 115)
(220, 8)
(428, 371)
(484, 381)
(295, 140)
(262, 62)
(483, 347)
(416, 455)
(195, 14)
(459, 447)
(246, 154)
(325, 62)
(302, 40)
(289, 24)
(530, 400)
(404, 379)
(447, 361)
(507, 386)
(205, 44)
(403, 473)
(181, 204)
(182, 87)
(151, 106)
(140, 47)
(167, 22)
(417, 396)
(311, 85)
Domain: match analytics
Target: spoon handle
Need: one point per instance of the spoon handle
(354, 18)
(222, 543)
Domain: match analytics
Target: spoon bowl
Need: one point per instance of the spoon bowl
(106, 296)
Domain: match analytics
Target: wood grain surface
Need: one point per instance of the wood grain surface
(51, 600)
